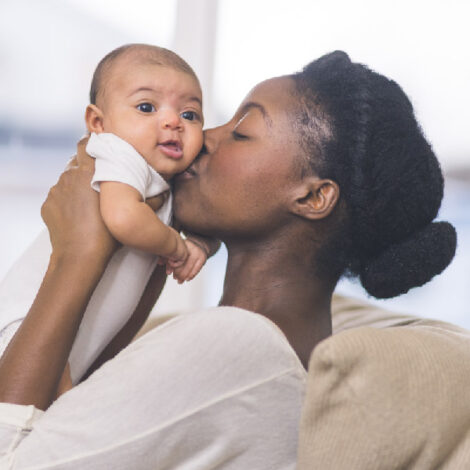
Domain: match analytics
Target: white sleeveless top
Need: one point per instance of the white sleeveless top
(217, 389)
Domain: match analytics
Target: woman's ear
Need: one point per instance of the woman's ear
(94, 119)
(315, 198)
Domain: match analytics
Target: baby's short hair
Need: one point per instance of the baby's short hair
(144, 52)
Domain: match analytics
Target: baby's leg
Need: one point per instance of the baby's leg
(7, 333)
(21, 283)
(112, 304)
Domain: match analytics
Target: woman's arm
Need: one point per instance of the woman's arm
(31, 367)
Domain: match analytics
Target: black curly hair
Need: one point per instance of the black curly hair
(358, 128)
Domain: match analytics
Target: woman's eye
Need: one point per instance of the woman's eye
(190, 115)
(237, 136)
(146, 107)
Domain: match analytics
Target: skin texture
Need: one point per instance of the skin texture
(249, 192)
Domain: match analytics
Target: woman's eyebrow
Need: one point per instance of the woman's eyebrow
(254, 105)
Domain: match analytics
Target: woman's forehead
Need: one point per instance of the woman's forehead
(275, 90)
(273, 97)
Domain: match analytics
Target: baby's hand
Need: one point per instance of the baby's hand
(193, 264)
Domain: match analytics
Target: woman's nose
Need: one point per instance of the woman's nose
(211, 139)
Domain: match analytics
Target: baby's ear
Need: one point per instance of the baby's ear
(94, 119)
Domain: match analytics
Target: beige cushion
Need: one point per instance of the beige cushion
(347, 313)
(393, 398)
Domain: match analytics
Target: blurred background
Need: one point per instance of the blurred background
(49, 49)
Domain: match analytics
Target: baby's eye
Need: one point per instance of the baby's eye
(146, 107)
(190, 115)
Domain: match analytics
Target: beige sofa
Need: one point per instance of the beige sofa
(386, 391)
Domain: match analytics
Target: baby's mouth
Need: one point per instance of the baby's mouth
(171, 148)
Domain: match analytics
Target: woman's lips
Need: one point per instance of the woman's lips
(171, 149)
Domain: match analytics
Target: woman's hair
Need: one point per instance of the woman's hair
(358, 128)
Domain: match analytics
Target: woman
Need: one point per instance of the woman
(318, 174)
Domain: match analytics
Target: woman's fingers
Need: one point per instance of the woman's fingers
(72, 163)
(71, 213)
(83, 159)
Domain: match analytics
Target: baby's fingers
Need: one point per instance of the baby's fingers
(199, 263)
(190, 269)
(175, 264)
(181, 274)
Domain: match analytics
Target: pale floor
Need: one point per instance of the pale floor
(26, 175)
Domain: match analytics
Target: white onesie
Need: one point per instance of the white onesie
(119, 290)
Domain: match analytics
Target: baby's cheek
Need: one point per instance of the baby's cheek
(197, 139)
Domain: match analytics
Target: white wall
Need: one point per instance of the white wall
(422, 44)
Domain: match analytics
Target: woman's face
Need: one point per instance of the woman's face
(239, 187)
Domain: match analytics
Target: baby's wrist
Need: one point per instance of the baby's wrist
(201, 245)
(174, 245)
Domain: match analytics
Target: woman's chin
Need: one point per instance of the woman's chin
(187, 214)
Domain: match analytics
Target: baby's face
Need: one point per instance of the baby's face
(158, 110)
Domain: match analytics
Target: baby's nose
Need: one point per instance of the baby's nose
(170, 119)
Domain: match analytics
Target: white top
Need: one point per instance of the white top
(117, 160)
(221, 388)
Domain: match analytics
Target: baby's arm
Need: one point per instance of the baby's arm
(132, 222)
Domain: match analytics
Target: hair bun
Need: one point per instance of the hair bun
(410, 263)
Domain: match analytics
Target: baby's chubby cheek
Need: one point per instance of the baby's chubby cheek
(191, 150)
(131, 134)
(195, 144)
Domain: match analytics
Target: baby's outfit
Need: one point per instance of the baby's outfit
(117, 160)
(121, 286)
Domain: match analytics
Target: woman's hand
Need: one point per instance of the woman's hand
(33, 364)
(71, 213)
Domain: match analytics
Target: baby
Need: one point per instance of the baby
(145, 119)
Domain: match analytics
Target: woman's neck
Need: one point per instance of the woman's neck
(279, 285)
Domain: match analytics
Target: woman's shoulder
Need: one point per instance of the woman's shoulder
(229, 333)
